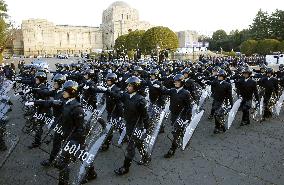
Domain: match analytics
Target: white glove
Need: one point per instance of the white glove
(29, 103)
(180, 122)
(4, 97)
(156, 86)
(102, 88)
(120, 78)
(26, 91)
(86, 87)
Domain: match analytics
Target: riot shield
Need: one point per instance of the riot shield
(153, 131)
(202, 98)
(233, 112)
(122, 136)
(190, 128)
(93, 150)
(7, 85)
(194, 110)
(279, 103)
(208, 89)
(261, 107)
(167, 109)
(11, 144)
(4, 106)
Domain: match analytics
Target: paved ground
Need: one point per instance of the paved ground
(252, 155)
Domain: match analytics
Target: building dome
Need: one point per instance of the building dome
(119, 3)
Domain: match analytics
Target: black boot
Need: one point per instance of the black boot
(46, 163)
(91, 175)
(34, 145)
(210, 117)
(170, 153)
(105, 147)
(102, 122)
(217, 131)
(3, 147)
(223, 128)
(62, 183)
(125, 168)
(162, 130)
(145, 160)
(243, 123)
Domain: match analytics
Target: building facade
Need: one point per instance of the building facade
(41, 37)
(187, 38)
(118, 19)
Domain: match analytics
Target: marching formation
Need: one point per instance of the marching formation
(82, 106)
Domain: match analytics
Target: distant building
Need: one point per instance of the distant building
(187, 38)
(118, 19)
(40, 37)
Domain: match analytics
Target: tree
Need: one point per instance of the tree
(277, 24)
(260, 26)
(281, 47)
(219, 40)
(245, 34)
(133, 39)
(219, 35)
(267, 46)
(120, 42)
(3, 9)
(159, 36)
(131, 54)
(248, 47)
(5, 33)
(236, 38)
(120, 46)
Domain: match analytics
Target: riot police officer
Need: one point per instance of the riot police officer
(113, 105)
(57, 94)
(73, 129)
(270, 85)
(88, 85)
(246, 88)
(40, 93)
(180, 107)
(136, 117)
(222, 94)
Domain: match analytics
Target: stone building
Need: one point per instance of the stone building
(118, 19)
(41, 37)
(18, 43)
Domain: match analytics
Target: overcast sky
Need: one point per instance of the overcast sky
(204, 16)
